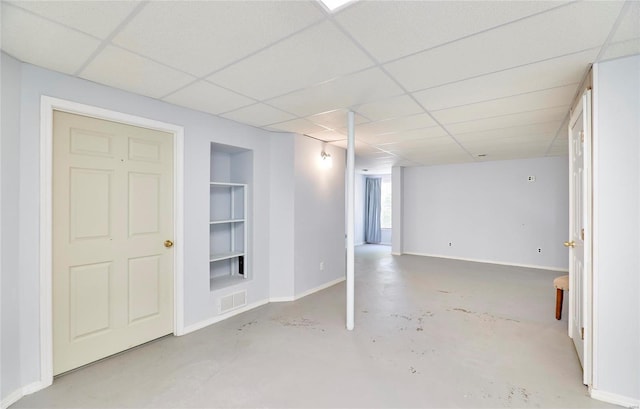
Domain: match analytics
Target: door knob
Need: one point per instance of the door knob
(571, 244)
(168, 243)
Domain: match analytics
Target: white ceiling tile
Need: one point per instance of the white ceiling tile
(301, 126)
(395, 125)
(199, 37)
(328, 135)
(98, 18)
(206, 97)
(381, 140)
(361, 147)
(402, 105)
(125, 70)
(37, 41)
(554, 97)
(345, 92)
(629, 27)
(578, 26)
(621, 49)
(422, 146)
(318, 54)
(335, 119)
(411, 26)
(547, 74)
(506, 121)
(545, 131)
(258, 115)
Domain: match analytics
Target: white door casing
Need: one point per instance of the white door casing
(112, 212)
(580, 275)
(48, 105)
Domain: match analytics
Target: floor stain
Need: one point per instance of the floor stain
(413, 370)
(485, 316)
(302, 322)
(248, 324)
(443, 291)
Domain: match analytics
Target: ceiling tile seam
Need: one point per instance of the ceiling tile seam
(562, 126)
(110, 37)
(623, 11)
(405, 130)
(266, 47)
(505, 69)
(40, 16)
(513, 113)
(392, 78)
(478, 33)
(258, 103)
(320, 83)
(508, 96)
(504, 127)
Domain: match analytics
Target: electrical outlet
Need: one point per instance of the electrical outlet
(539, 250)
(449, 244)
(321, 265)
(531, 179)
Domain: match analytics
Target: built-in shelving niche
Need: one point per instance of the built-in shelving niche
(229, 187)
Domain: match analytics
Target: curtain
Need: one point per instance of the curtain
(372, 230)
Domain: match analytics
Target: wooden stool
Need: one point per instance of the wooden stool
(561, 284)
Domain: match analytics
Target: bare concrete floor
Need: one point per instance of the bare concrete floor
(429, 333)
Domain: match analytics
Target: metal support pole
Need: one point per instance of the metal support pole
(350, 220)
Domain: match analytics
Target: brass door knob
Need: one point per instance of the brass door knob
(168, 243)
(571, 244)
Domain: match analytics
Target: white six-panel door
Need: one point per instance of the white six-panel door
(112, 213)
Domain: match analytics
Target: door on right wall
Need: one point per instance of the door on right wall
(579, 229)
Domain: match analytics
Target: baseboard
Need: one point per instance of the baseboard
(202, 324)
(615, 398)
(16, 395)
(396, 254)
(320, 287)
(502, 263)
(359, 244)
(282, 299)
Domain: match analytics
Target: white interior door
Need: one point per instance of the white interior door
(579, 232)
(112, 212)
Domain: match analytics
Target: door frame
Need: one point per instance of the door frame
(584, 106)
(47, 106)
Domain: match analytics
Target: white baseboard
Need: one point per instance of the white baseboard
(615, 398)
(502, 263)
(359, 244)
(222, 317)
(320, 288)
(308, 292)
(16, 395)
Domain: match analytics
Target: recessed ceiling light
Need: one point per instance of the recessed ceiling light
(333, 5)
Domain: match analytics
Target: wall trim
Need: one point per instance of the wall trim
(614, 398)
(308, 292)
(47, 106)
(502, 263)
(19, 393)
(210, 321)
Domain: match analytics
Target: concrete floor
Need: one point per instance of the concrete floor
(429, 333)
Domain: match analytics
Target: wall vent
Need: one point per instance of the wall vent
(233, 301)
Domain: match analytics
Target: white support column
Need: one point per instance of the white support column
(350, 220)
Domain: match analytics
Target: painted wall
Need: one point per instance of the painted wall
(319, 215)
(23, 85)
(397, 216)
(489, 211)
(359, 209)
(10, 351)
(617, 227)
(281, 198)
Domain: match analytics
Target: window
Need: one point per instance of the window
(385, 203)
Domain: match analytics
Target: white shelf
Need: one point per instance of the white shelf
(224, 281)
(225, 256)
(226, 221)
(227, 184)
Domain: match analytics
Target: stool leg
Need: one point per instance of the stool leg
(559, 296)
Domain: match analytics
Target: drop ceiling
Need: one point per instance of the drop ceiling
(431, 82)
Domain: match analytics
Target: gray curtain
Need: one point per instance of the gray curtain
(372, 231)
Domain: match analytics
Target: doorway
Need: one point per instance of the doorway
(140, 185)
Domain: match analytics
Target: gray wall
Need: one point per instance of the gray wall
(617, 216)
(281, 239)
(23, 85)
(10, 373)
(489, 211)
(319, 215)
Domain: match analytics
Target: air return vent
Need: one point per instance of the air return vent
(233, 301)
